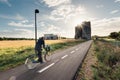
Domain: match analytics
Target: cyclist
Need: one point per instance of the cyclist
(38, 48)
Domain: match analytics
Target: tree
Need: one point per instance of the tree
(114, 35)
(119, 35)
(1, 38)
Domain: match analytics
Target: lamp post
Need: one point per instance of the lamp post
(36, 11)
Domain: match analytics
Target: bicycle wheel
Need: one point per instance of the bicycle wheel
(29, 62)
(47, 56)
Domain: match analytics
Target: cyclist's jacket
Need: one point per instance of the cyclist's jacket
(40, 43)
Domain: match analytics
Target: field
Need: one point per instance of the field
(23, 43)
(14, 53)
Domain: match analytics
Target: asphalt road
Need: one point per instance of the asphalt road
(63, 66)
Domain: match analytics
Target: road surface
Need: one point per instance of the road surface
(63, 66)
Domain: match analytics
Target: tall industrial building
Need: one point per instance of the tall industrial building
(83, 31)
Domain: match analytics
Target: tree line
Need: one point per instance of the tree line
(6, 38)
(115, 35)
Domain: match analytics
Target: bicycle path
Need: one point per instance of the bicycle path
(63, 66)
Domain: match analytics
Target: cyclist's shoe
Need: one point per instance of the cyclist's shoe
(41, 62)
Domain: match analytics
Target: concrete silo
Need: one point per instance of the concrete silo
(83, 31)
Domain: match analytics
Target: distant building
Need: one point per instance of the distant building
(83, 31)
(51, 37)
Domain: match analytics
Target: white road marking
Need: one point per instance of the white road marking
(12, 78)
(76, 49)
(64, 56)
(72, 52)
(57, 60)
(40, 71)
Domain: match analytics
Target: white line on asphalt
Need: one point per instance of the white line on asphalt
(57, 60)
(72, 52)
(64, 56)
(76, 49)
(12, 78)
(40, 71)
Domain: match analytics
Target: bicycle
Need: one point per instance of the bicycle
(31, 61)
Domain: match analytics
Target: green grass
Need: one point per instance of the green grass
(108, 66)
(12, 57)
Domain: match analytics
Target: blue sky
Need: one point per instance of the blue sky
(58, 17)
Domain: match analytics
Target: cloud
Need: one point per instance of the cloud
(61, 18)
(62, 30)
(64, 16)
(19, 17)
(66, 12)
(52, 28)
(105, 26)
(62, 11)
(47, 27)
(42, 24)
(19, 33)
(117, 0)
(6, 2)
(114, 11)
(23, 23)
(53, 3)
(16, 17)
(100, 6)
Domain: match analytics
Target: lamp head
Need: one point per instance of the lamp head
(36, 11)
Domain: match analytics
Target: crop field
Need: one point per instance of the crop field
(25, 43)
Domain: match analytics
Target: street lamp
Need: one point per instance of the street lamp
(36, 11)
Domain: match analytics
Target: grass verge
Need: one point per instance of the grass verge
(102, 62)
(12, 57)
(85, 71)
(108, 65)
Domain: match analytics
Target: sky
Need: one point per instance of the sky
(17, 17)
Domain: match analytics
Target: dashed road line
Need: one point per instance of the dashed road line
(12, 78)
(76, 49)
(57, 60)
(64, 56)
(42, 70)
(72, 52)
